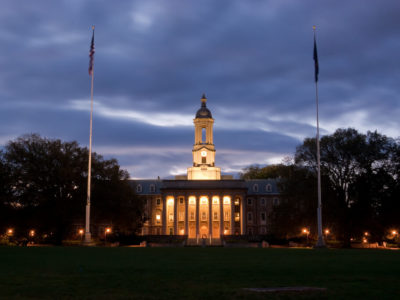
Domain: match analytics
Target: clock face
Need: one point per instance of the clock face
(203, 153)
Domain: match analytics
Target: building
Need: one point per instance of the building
(205, 204)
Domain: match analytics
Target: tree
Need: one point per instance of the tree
(352, 162)
(48, 179)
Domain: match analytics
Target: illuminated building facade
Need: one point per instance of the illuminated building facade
(205, 204)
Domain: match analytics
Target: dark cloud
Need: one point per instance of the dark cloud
(253, 59)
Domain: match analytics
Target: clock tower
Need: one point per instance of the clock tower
(203, 148)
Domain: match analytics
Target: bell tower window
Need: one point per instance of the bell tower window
(203, 135)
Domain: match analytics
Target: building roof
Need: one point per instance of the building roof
(203, 112)
(252, 187)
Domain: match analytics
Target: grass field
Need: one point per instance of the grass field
(195, 273)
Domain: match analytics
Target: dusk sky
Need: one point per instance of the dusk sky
(154, 60)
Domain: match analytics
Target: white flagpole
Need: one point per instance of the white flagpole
(320, 242)
(88, 237)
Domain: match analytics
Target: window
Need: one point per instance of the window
(171, 231)
(152, 188)
(249, 201)
(203, 135)
(255, 188)
(158, 218)
(139, 188)
(262, 201)
(215, 200)
(250, 231)
(249, 216)
(204, 160)
(227, 200)
(237, 201)
(263, 217)
(268, 188)
(226, 216)
(276, 201)
(181, 200)
(237, 217)
(192, 200)
(192, 216)
(203, 216)
(263, 231)
(171, 217)
(215, 216)
(158, 201)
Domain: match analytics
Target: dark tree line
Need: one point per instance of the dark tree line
(360, 186)
(43, 185)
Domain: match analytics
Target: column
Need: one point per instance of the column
(232, 216)
(210, 229)
(197, 217)
(175, 216)
(164, 215)
(186, 216)
(221, 216)
(242, 217)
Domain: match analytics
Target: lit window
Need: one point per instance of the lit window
(203, 200)
(139, 188)
(268, 188)
(152, 188)
(227, 200)
(170, 201)
(226, 216)
(158, 201)
(255, 188)
(249, 216)
(262, 201)
(192, 200)
(215, 200)
(158, 218)
(237, 201)
(237, 217)
(249, 201)
(215, 216)
(276, 201)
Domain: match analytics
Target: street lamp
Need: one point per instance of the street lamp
(81, 231)
(32, 233)
(10, 231)
(107, 230)
(327, 232)
(306, 232)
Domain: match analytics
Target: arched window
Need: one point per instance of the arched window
(268, 188)
(255, 188)
(152, 188)
(276, 201)
(203, 135)
(139, 188)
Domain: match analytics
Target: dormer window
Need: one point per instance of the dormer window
(139, 188)
(268, 188)
(255, 188)
(152, 188)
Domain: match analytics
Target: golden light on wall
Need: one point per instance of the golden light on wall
(227, 200)
(10, 231)
(32, 232)
(182, 231)
(158, 217)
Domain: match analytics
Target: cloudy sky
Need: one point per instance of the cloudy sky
(154, 60)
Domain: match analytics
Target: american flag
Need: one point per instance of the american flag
(91, 54)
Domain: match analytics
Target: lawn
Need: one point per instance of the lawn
(196, 273)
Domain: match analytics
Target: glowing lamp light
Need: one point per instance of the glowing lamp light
(80, 231)
(394, 232)
(366, 233)
(225, 231)
(10, 231)
(32, 232)
(327, 231)
(182, 231)
(108, 230)
(364, 240)
(158, 217)
(305, 231)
